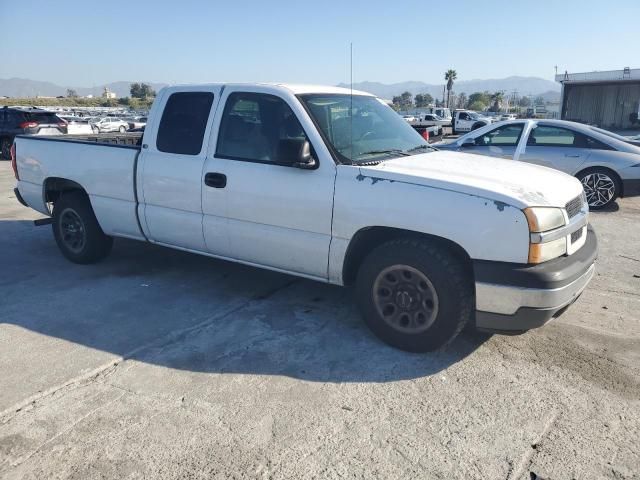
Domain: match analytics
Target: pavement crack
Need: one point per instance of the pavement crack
(527, 458)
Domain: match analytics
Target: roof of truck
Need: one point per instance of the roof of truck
(297, 89)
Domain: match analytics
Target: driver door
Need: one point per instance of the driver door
(274, 215)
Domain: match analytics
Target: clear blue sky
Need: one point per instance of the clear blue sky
(82, 43)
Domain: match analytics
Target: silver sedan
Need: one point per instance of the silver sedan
(608, 165)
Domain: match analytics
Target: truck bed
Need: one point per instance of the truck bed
(104, 165)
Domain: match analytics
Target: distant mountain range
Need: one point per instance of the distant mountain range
(523, 85)
(22, 87)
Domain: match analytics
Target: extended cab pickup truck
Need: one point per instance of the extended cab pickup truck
(334, 187)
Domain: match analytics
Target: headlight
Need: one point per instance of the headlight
(543, 219)
(540, 220)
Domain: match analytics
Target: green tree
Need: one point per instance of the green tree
(141, 90)
(403, 102)
(71, 93)
(539, 100)
(496, 100)
(450, 76)
(423, 100)
(477, 106)
(482, 97)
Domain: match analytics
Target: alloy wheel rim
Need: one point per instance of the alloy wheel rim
(405, 299)
(599, 189)
(73, 232)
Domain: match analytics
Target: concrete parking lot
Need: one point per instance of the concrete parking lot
(161, 364)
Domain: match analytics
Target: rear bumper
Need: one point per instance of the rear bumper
(511, 298)
(630, 188)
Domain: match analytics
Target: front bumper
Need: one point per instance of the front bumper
(16, 192)
(512, 298)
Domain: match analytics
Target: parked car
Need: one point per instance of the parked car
(136, 122)
(26, 121)
(330, 185)
(110, 124)
(608, 167)
(77, 125)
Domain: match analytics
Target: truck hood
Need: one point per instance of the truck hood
(515, 183)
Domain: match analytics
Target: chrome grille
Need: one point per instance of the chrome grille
(574, 206)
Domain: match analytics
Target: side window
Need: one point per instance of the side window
(505, 136)
(258, 127)
(183, 122)
(548, 136)
(596, 144)
(463, 116)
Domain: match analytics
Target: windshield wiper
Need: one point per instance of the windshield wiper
(418, 147)
(384, 152)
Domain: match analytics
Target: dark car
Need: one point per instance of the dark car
(27, 121)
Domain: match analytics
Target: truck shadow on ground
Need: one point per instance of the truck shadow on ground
(189, 312)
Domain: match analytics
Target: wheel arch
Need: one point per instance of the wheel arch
(54, 187)
(368, 238)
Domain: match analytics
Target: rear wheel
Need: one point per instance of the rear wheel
(76, 230)
(601, 187)
(414, 295)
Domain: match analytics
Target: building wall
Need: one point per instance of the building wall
(607, 104)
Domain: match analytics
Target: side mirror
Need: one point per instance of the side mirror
(468, 142)
(296, 152)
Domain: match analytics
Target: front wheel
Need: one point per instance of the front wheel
(76, 230)
(414, 295)
(601, 186)
(122, 129)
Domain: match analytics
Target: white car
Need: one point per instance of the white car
(110, 124)
(608, 165)
(330, 185)
(78, 126)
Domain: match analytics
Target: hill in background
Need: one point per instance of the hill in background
(524, 86)
(23, 88)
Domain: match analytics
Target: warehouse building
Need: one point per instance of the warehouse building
(608, 99)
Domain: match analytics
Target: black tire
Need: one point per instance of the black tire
(5, 148)
(477, 126)
(601, 185)
(76, 230)
(452, 305)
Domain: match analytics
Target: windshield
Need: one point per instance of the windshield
(362, 128)
(475, 116)
(610, 134)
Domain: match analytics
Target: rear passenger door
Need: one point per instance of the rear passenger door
(276, 215)
(556, 147)
(171, 162)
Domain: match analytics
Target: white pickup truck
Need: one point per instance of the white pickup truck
(467, 120)
(319, 183)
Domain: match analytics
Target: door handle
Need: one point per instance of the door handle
(215, 180)
(571, 156)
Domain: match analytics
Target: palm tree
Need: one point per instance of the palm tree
(496, 98)
(450, 76)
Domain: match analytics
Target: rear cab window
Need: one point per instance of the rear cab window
(183, 123)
